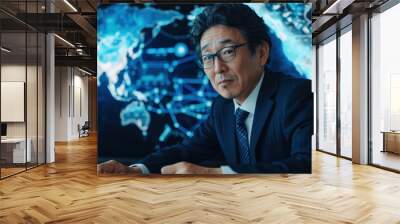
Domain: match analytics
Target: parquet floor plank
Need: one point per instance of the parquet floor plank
(69, 191)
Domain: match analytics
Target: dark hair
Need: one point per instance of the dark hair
(238, 16)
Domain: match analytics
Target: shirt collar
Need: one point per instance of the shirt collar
(249, 104)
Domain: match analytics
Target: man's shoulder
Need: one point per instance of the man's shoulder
(287, 83)
(286, 79)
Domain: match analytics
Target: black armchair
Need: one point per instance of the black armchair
(84, 130)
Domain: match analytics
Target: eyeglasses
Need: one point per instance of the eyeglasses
(225, 54)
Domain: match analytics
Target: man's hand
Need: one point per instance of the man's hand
(114, 167)
(189, 168)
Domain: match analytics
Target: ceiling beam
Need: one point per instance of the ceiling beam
(83, 61)
(86, 26)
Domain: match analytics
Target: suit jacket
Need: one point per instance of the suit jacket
(280, 137)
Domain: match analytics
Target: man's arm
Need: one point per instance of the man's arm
(297, 125)
(115, 167)
(189, 168)
(202, 146)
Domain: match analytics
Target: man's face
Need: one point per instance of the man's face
(236, 78)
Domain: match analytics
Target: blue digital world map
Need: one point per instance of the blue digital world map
(151, 92)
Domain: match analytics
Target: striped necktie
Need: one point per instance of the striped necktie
(241, 136)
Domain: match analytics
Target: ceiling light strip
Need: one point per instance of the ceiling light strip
(70, 5)
(84, 71)
(326, 11)
(5, 49)
(64, 40)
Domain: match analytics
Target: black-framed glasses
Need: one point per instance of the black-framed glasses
(225, 54)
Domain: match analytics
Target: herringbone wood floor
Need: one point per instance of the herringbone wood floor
(69, 191)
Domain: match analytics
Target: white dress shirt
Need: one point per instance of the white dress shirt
(249, 105)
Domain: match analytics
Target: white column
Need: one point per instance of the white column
(50, 100)
(62, 103)
(360, 90)
(50, 92)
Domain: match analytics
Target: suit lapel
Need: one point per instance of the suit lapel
(264, 107)
(228, 123)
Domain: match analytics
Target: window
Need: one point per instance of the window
(327, 96)
(346, 93)
(385, 88)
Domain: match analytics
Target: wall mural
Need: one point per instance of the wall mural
(151, 91)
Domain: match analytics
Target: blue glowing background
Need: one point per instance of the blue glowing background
(151, 93)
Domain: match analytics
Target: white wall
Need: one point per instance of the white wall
(80, 111)
(32, 127)
(61, 103)
(71, 102)
(12, 73)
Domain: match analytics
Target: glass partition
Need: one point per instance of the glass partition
(13, 104)
(327, 96)
(22, 89)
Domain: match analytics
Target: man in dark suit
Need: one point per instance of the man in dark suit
(262, 122)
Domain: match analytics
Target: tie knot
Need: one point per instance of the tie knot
(241, 115)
